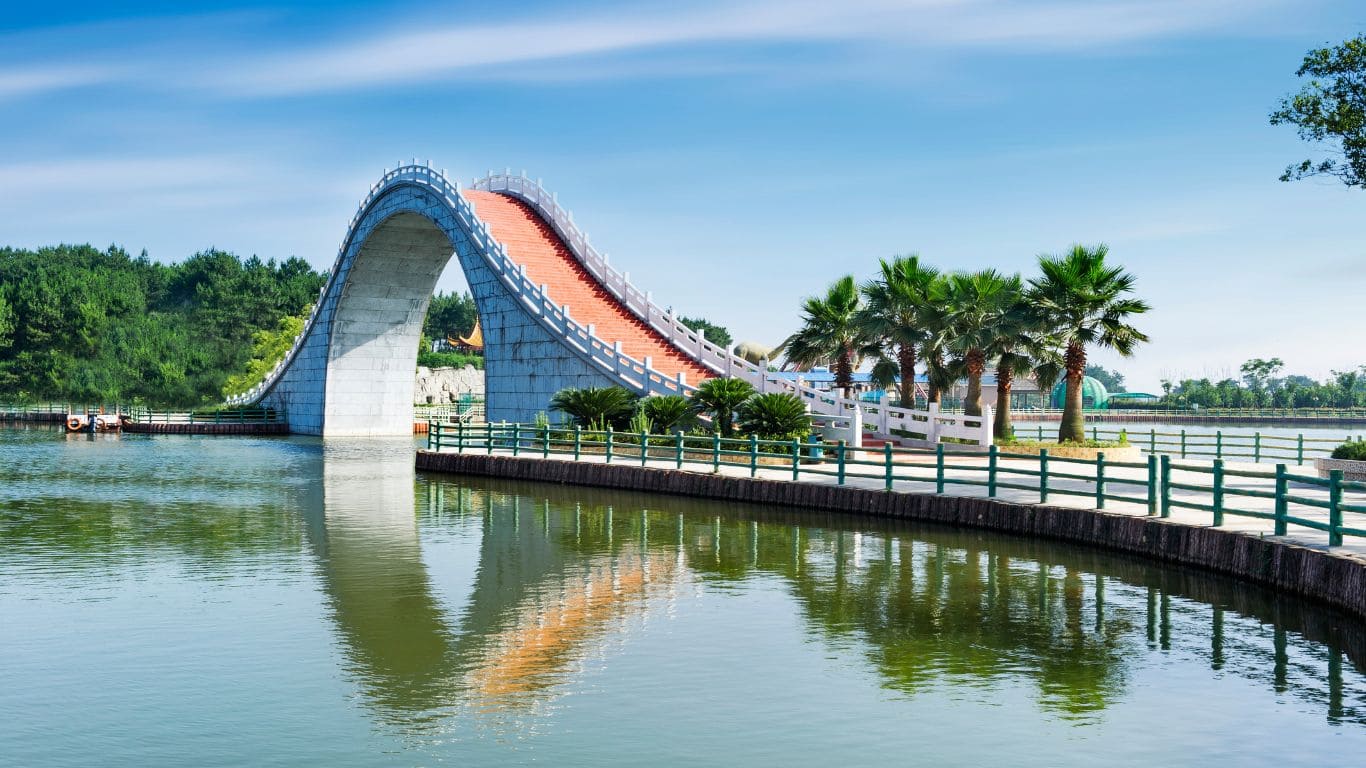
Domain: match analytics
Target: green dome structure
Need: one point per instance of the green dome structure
(1093, 394)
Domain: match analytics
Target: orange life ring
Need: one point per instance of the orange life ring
(73, 423)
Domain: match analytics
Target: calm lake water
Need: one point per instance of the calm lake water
(218, 601)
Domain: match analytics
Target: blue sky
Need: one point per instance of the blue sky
(733, 157)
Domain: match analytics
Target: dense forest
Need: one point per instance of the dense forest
(78, 323)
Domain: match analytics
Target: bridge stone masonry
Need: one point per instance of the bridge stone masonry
(554, 315)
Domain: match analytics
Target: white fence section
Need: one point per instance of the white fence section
(638, 375)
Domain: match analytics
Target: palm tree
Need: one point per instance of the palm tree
(720, 397)
(975, 302)
(831, 333)
(940, 371)
(895, 315)
(1086, 302)
(1020, 345)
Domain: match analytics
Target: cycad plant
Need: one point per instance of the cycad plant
(975, 303)
(895, 315)
(668, 413)
(719, 398)
(831, 333)
(1086, 302)
(596, 407)
(774, 416)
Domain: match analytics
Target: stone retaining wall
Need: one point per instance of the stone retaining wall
(1336, 579)
(199, 428)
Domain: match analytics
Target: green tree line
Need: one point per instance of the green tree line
(1262, 386)
(79, 323)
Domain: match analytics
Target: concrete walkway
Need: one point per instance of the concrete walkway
(915, 473)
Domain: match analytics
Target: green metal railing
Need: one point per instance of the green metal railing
(1148, 483)
(214, 416)
(1218, 444)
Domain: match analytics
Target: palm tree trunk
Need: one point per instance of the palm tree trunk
(976, 363)
(936, 361)
(906, 387)
(844, 372)
(1005, 381)
(1073, 426)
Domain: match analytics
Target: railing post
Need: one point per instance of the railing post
(1299, 450)
(678, 450)
(796, 459)
(1256, 447)
(644, 447)
(1282, 504)
(1152, 485)
(1183, 443)
(939, 468)
(1218, 443)
(753, 455)
(887, 463)
(1166, 485)
(545, 441)
(991, 472)
(578, 441)
(488, 440)
(433, 436)
(839, 459)
(516, 438)
(1152, 440)
(609, 444)
(460, 437)
(1100, 481)
(1043, 475)
(715, 449)
(1218, 492)
(1335, 508)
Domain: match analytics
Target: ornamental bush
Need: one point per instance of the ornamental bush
(1352, 451)
(774, 416)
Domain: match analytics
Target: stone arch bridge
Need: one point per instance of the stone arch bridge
(554, 313)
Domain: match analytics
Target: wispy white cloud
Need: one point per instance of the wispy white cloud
(18, 83)
(438, 50)
(644, 42)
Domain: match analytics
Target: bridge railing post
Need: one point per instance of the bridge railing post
(488, 436)
(609, 444)
(578, 441)
(516, 438)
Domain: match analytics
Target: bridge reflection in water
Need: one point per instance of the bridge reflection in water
(564, 575)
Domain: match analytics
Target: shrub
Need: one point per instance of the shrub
(668, 413)
(596, 407)
(449, 360)
(720, 397)
(775, 416)
(1354, 450)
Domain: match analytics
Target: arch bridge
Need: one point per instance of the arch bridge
(554, 314)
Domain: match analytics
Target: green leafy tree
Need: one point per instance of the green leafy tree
(831, 333)
(268, 348)
(450, 315)
(719, 398)
(668, 412)
(1086, 302)
(774, 416)
(596, 407)
(895, 315)
(1330, 109)
(712, 332)
(1112, 380)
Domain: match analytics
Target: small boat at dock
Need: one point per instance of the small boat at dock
(93, 422)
